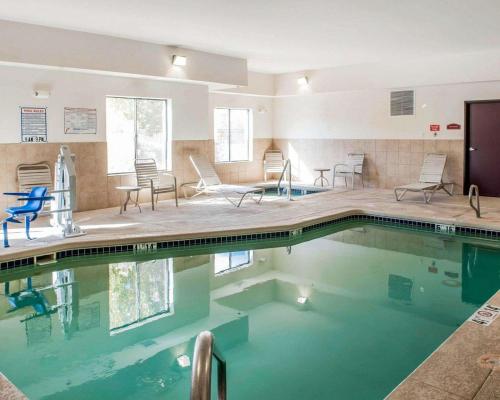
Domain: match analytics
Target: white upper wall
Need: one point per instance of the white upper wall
(262, 111)
(38, 45)
(72, 89)
(365, 114)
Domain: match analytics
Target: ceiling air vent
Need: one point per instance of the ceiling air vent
(402, 103)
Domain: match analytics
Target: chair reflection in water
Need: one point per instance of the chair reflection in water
(38, 325)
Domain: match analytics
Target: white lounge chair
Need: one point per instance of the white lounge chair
(273, 162)
(148, 177)
(352, 167)
(210, 183)
(431, 179)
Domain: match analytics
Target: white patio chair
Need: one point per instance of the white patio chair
(352, 167)
(273, 162)
(148, 177)
(431, 179)
(210, 183)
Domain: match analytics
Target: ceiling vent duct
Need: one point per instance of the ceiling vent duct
(402, 103)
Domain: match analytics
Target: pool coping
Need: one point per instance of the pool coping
(427, 381)
(9, 391)
(58, 251)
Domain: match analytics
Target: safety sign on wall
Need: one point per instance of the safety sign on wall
(80, 120)
(33, 124)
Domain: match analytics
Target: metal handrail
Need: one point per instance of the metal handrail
(201, 377)
(474, 192)
(286, 168)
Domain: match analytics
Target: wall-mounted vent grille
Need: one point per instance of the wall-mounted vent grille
(402, 103)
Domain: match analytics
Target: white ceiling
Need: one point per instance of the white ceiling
(282, 35)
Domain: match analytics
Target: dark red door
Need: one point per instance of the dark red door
(483, 147)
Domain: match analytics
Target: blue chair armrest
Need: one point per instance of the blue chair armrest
(45, 198)
(16, 194)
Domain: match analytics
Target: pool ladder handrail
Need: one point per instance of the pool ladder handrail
(474, 192)
(201, 375)
(287, 168)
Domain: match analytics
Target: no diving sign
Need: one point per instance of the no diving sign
(485, 315)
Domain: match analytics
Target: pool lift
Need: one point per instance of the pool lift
(63, 201)
(64, 194)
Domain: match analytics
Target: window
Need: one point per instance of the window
(232, 134)
(136, 128)
(139, 293)
(235, 260)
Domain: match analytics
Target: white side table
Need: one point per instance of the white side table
(321, 177)
(128, 190)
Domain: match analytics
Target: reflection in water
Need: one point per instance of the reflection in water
(320, 302)
(38, 325)
(480, 273)
(232, 261)
(400, 288)
(139, 293)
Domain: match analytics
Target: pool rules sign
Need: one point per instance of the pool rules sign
(33, 124)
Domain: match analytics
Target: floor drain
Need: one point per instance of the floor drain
(490, 361)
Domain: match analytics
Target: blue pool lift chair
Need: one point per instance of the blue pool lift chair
(34, 204)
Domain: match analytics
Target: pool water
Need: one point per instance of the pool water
(347, 316)
(297, 191)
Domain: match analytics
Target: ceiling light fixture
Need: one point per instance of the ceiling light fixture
(303, 80)
(302, 300)
(180, 61)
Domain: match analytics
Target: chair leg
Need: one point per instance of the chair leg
(137, 199)
(27, 226)
(176, 198)
(152, 197)
(5, 235)
(352, 183)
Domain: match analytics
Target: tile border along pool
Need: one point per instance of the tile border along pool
(138, 245)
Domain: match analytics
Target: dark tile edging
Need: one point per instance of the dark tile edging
(173, 244)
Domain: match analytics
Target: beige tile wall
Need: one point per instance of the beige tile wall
(91, 169)
(388, 162)
(97, 190)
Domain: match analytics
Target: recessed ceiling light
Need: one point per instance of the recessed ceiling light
(303, 80)
(179, 60)
(302, 300)
(184, 361)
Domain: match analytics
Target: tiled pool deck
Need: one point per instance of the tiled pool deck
(452, 372)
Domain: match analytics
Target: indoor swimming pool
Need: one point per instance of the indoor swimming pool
(294, 320)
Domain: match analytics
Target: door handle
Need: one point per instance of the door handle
(472, 149)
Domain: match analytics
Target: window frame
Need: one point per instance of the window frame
(249, 128)
(168, 130)
(236, 267)
(143, 320)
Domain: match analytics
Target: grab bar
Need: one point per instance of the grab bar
(201, 377)
(474, 192)
(286, 168)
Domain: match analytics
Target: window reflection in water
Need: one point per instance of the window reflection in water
(235, 260)
(139, 293)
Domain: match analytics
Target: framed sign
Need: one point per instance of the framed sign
(80, 120)
(33, 124)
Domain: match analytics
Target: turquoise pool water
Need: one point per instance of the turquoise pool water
(378, 301)
(297, 191)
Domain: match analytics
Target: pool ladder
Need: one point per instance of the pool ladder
(201, 375)
(474, 193)
(286, 175)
